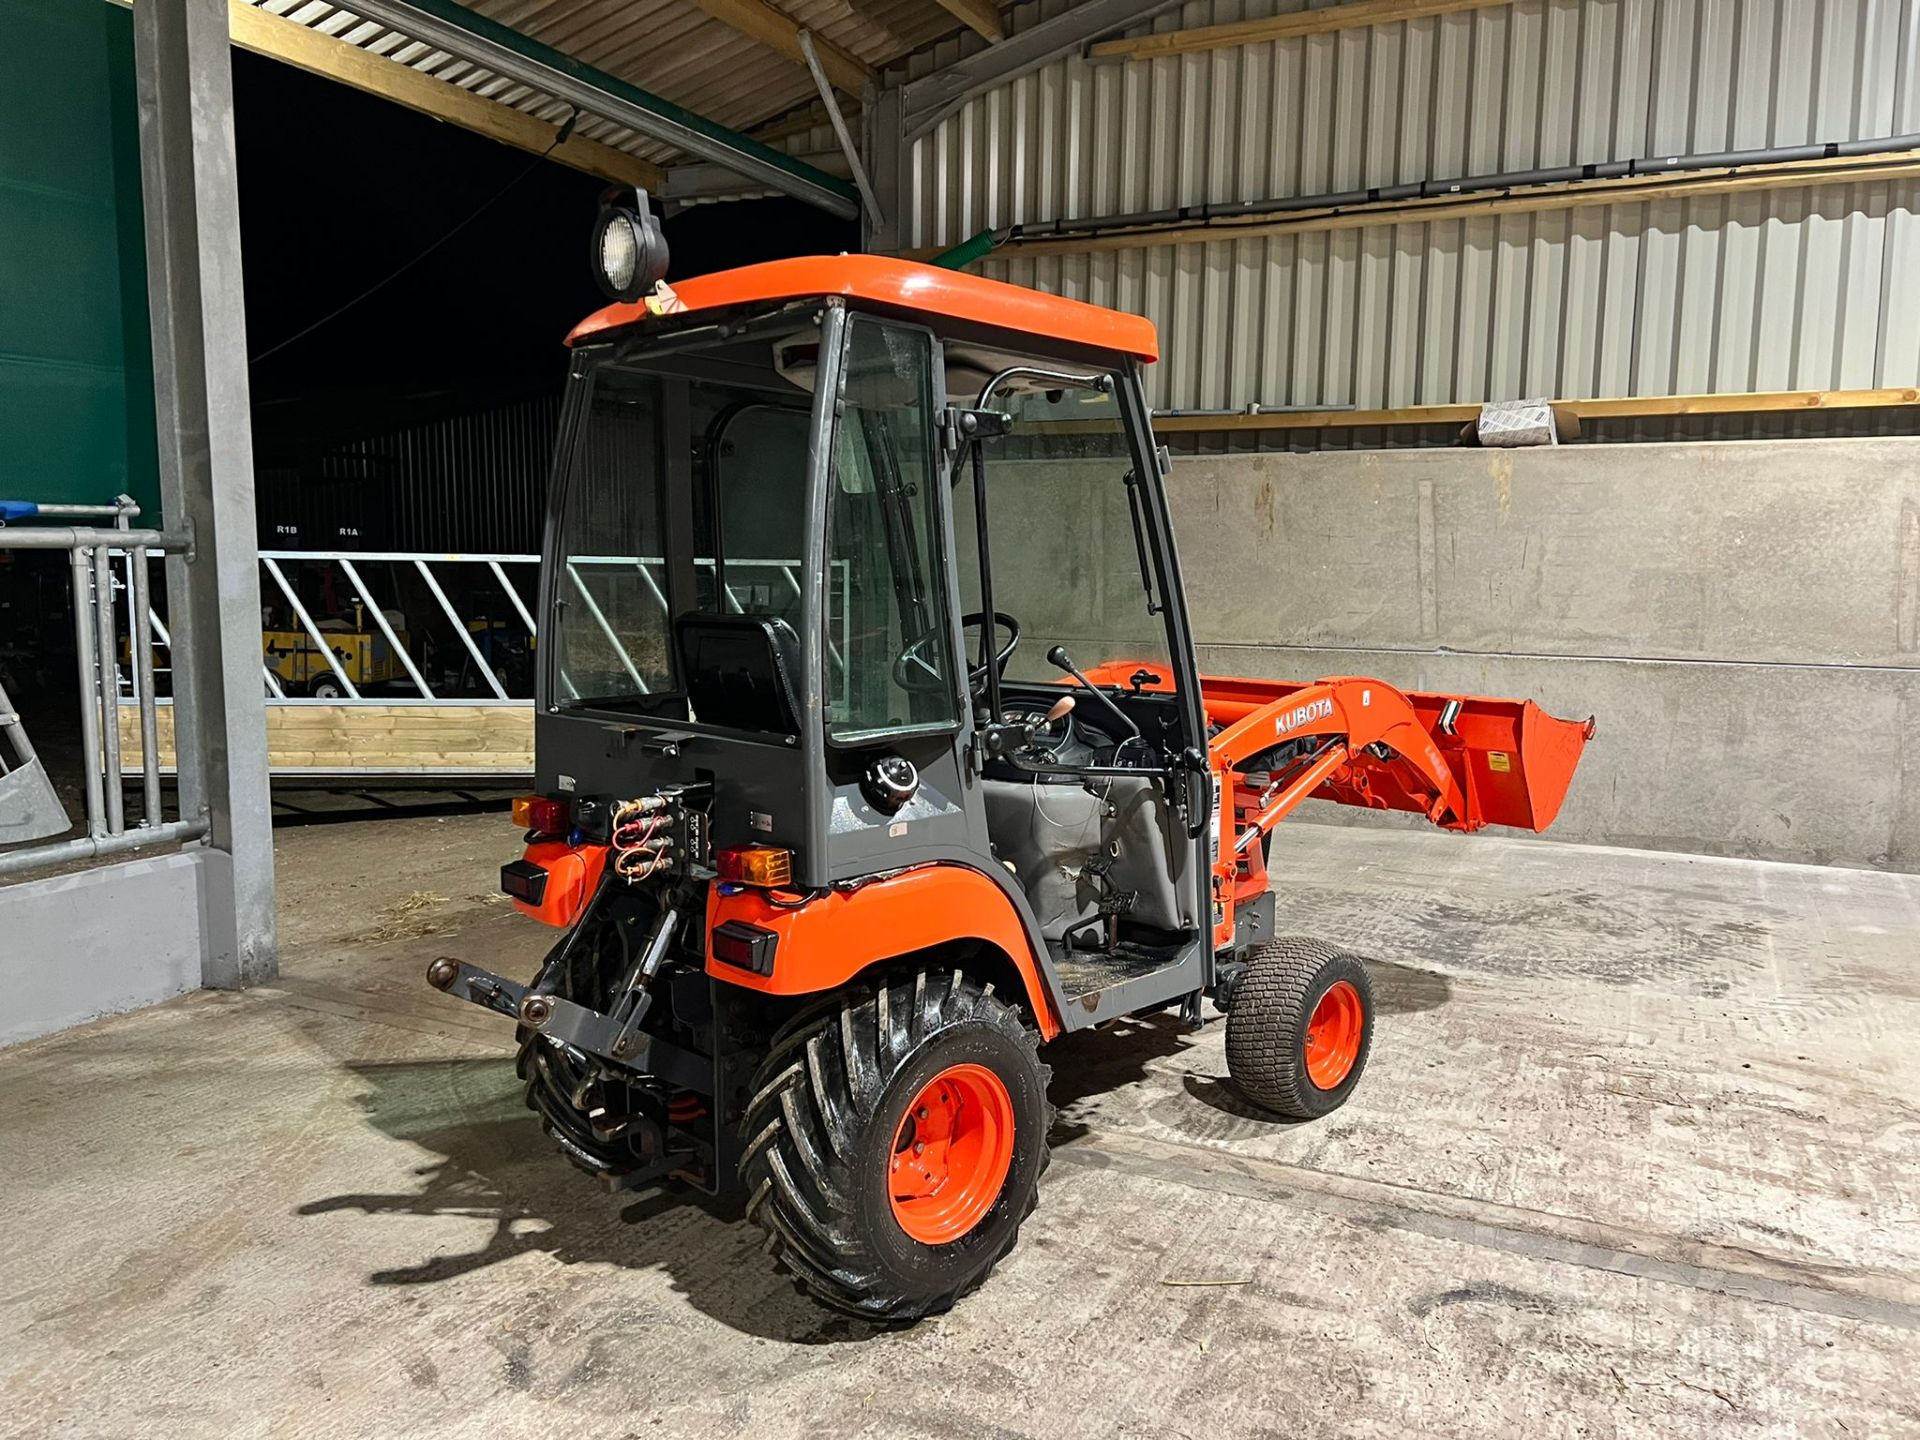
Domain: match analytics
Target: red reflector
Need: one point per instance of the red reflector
(537, 812)
(747, 946)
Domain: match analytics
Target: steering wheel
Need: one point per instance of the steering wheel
(913, 671)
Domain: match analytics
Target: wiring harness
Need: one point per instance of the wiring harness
(642, 837)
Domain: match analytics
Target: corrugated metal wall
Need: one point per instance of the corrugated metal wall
(473, 482)
(1789, 289)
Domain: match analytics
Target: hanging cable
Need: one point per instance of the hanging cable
(565, 133)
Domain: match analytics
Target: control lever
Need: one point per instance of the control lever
(1022, 732)
(1059, 658)
(1060, 709)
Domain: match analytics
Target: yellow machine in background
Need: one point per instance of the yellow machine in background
(361, 652)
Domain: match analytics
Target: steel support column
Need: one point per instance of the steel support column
(187, 172)
(886, 156)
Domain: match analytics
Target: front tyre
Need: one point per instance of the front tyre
(1301, 1027)
(895, 1143)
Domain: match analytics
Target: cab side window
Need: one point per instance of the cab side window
(889, 637)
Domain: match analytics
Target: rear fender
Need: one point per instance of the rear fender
(823, 943)
(573, 879)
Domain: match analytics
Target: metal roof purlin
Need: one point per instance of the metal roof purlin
(932, 98)
(459, 31)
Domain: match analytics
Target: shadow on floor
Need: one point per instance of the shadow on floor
(1403, 990)
(1092, 1062)
(492, 1162)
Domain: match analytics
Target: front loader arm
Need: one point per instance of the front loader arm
(1365, 724)
(1462, 761)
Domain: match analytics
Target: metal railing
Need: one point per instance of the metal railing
(465, 607)
(321, 651)
(376, 607)
(363, 630)
(95, 633)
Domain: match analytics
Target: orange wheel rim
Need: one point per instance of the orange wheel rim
(951, 1154)
(1333, 1035)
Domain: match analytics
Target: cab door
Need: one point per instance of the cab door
(893, 695)
(1104, 814)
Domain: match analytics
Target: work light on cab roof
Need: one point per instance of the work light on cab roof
(629, 251)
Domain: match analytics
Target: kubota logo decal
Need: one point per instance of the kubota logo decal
(1301, 714)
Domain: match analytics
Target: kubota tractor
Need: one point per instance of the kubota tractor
(872, 754)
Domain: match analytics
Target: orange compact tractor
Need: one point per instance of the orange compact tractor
(872, 755)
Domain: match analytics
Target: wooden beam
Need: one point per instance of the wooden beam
(812, 116)
(264, 33)
(1619, 408)
(1280, 27)
(408, 739)
(760, 21)
(980, 16)
(1578, 195)
(1752, 402)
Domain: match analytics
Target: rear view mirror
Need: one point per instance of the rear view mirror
(962, 425)
(979, 424)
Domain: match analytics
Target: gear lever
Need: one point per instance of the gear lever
(1059, 658)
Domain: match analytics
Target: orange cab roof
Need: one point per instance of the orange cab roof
(901, 285)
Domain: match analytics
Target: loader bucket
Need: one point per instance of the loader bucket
(1513, 760)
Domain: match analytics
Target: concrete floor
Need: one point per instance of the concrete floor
(1638, 1153)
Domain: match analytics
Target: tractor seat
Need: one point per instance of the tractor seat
(741, 671)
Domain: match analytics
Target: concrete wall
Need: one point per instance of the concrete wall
(1742, 619)
(114, 938)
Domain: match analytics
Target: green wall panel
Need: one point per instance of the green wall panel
(76, 369)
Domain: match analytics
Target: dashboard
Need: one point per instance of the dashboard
(1089, 735)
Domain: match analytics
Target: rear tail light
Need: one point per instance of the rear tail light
(744, 946)
(755, 865)
(524, 880)
(538, 813)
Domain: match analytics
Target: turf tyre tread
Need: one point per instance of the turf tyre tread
(1266, 1028)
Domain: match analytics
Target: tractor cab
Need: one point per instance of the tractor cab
(871, 753)
(885, 569)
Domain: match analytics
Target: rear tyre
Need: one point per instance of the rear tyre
(895, 1143)
(581, 1111)
(1301, 1027)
